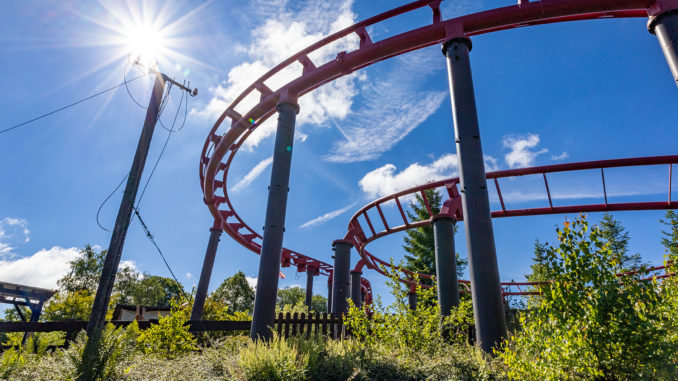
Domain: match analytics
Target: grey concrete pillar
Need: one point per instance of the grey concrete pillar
(329, 297)
(206, 273)
(488, 306)
(665, 26)
(340, 280)
(274, 225)
(446, 264)
(412, 300)
(309, 287)
(356, 290)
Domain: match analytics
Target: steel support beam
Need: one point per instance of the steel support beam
(310, 273)
(446, 264)
(340, 278)
(412, 300)
(488, 306)
(329, 297)
(665, 27)
(356, 290)
(206, 273)
(263, 317)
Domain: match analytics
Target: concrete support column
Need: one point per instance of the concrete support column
(446, 264)
(412, 300)
(309, 287)
(274, 225)
(340, 280)
(665, 27)
(356, 290)
(206, 273)
(488, 306)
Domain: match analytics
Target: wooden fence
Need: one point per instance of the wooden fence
(285, 325)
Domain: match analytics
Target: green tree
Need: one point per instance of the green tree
(153, 290)
(86, 271)
(670, 236)
(590, 323)
(319, 304)
(618, 238)
(236, 293)
(290, 296)
(419, 242)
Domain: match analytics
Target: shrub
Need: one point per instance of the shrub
(278, 359)
(170, 336)
(589, 323)
(408, 332)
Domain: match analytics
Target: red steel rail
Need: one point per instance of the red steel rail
(225, 139)
(361, 237)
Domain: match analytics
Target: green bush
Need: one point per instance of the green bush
(278, 359)
(170, 337)
(409, 332)
(590, 323)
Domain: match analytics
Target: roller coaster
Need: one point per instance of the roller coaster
(239, 120)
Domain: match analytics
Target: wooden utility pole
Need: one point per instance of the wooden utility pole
(98, 316)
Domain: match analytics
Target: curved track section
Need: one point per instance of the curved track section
(361, 228)
(225, 139)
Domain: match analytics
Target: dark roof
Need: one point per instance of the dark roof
(22, 294)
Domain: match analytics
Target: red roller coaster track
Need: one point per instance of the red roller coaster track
(224, 141)
(361, 234)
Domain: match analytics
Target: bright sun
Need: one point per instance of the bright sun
(145, 44)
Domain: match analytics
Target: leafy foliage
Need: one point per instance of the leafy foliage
(236, 293)
(409, 332)
(113, 347)
(670, 237)
(589, 323)
(419, 242)
(170, 337)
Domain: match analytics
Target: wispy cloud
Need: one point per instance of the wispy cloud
(12, 232)
(284, 33)
(391, 107)
(253, 174)
(522, 150)
(562, 156)
(326, 217)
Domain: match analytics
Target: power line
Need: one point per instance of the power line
(163, 103)
(70, 105)
(162, 151)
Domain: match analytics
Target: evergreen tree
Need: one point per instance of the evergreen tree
(618, 238)
(539, 269)
(419, 242)
(670, 237)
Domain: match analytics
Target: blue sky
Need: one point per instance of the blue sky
(548, 94)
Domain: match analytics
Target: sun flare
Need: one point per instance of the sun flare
(145, 44)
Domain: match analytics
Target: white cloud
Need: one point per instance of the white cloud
(189, 275)
(384, 180)
(253, 174)
(562, 156)
(126, 264)
(12, 232)
(45, 267)
(252, 281)
(326, 217)
(521, 154)
(41, 269)
(283, 34)
(390, 108)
